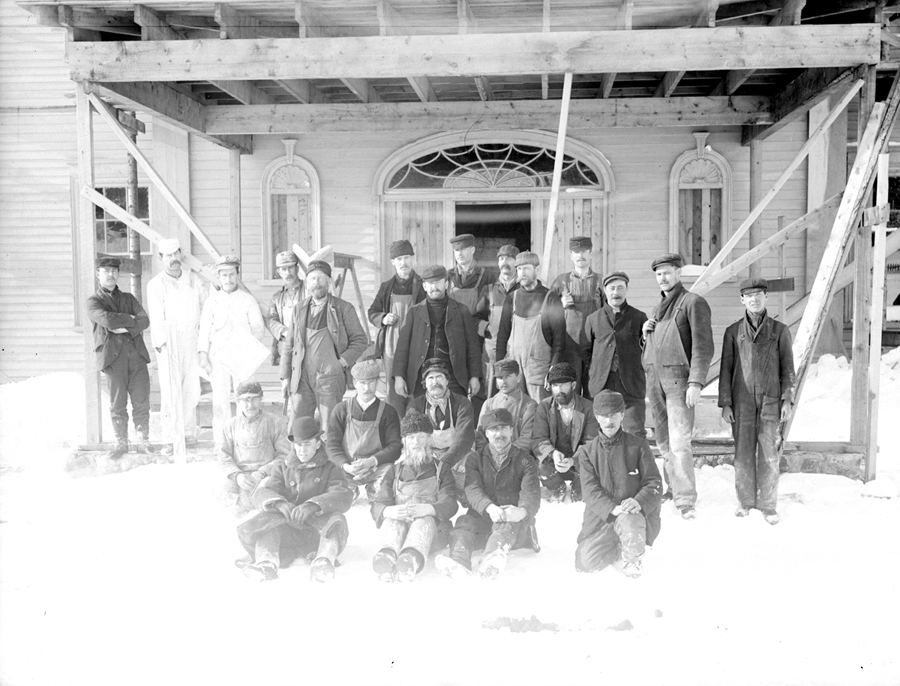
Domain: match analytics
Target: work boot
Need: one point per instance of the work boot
(687, 512)
(145, 447)
(493, 563)
(321, 570)
(668, 495)
(452, 567)
(558, 494)
(741, 511)
(575, 493)
(531, 538)
(632, 568)
(120, 449)
(771, 517)
(409, 564)
(260, 571)
(385, 565)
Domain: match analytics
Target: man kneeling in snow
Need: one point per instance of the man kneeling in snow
(302, 501)
(622, 493)
(414, 504)
(504, 495)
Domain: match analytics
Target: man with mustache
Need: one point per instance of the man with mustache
(511, 397)
(175, 299)
(467, 280)
(490, 307)
(281, 309)
(326, 339)
(562, 424)
(622, 490)
(389, 308)
(414, 505)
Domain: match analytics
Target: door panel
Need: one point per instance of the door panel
(424, 224)
(582, 216)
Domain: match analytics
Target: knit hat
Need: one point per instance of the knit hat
(304, 429)
(672, 258)
(562, 372)
(527, 257)
(434, 271)
(504, 367)
(495, 418)
(228, 261)
(286, 259)
(400, 248)
(435, 364)
(109, 262)
(366, 370)
(168, 245)
(579, 243)
(757, 284)
(608, 402)
(414, 422)
(249, 386)
(319, 265)
(615, 276)
(463, 240)
(507, 251)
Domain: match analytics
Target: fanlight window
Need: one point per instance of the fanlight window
(490, 166)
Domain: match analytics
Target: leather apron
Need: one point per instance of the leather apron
(527, 345)
(663, 347)
(582, 306)
(468, 296)
(422, 492)
(361, 438)
(440, 444)
(321, 365)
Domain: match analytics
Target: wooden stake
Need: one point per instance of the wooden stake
(557, 176)
(234, 205)
(756, 190)
(782, 272)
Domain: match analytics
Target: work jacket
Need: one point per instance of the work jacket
(610, 336)
(116, 310)
(515, 483)
(248, 444)
(279, 316)
(548, 425)
(756, 365)
(445, 505)
(319, 481)
(381, 305)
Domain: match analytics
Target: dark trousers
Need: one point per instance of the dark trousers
(552, 479)
(473, 531)
(627, 536)
(635, 421)
(268, 537)
(756, 455)
(128, 376)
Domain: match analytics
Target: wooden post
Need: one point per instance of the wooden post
(782, 272)
(557, 176)
(131, 204)
(234, 168)
(756, 194)
(87, 252)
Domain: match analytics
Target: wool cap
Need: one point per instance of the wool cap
(111, 262)
(304, 429)
(507, 251)
(562, 372)
(435, 365)
(286, 259)
(228, 261)
(504, 367)
(434, 271)
(580, 243)
(249, 386)
(608, 402)
(495, 418)
(400, 248)
(615, 276)
(463, 240)
(527, 257)
(366, 370)
(414, 422)
(319, 265)
(672, 258)
(757, 284)
(168, 245)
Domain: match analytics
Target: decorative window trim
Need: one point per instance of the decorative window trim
(698, 168)
(275, 172)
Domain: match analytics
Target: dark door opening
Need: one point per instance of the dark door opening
(494, 225)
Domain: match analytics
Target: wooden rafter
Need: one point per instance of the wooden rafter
(390, 23)
(624, 19)
(545, 27)
(467, 22)
(670, 80)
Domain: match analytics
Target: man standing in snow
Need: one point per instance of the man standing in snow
(175, 299)
(302, 501)
(490, 307)
(678, 347)
(507, 375)
(504, 496)
(756, 395)
(118, 321)
(622, 487)
(252, 439)
(414, 505)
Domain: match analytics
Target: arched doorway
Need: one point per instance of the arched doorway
(495, 185)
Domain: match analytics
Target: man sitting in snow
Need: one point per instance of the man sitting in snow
(504, 495)
(302, 502)
(250, 441)
(414, 505)
(622, 493)
(511, 396)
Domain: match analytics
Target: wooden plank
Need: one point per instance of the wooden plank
(668, 84)
(312, 23)
(235, 24)
(245, 92)
(301, 89)
(370, 57)
(362, 89)
(732, 81)
(782, 285)
(789, 14)
(624, 19)
(422, 86)
(485, 92)
(234, 201)
(545, 27)
(557, 176)
(756, 195)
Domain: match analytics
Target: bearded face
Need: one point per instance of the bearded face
(563, 392)
(416, 448)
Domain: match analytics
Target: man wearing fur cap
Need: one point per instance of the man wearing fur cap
(510, 397)
(622, 493)
(302, 501)
(504, 496)
(414, 505)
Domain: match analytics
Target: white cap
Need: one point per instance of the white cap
(168, 245)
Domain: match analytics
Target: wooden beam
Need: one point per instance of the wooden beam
(668, 84)
(483, 84)
(235, 24)
(732, 81)
(390, 23)
(422, 86)
(743, 10)
(789, 15)
(130, 122)
(756, 194)
(301, 89)
(106, 20)
(234, 201)
(473, 55)
(557, 176)
(545, 27)
(624, 20)
(154, 26)
(465, 17)
(437, 116)
(245, 92)
(312, 23)
(363, 90)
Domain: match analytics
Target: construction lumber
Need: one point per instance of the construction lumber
(557, 176)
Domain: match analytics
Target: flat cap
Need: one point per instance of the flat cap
(400, 248)
(561, 372)
(366, 370)
(504, 367)
(495, 418)
(615, 276)
(228, 261)
(672, 258)
(463, 240)
(758, 284)
(580, 243)
(435, 365)
(286, 259)
(527, 257)
(248, 387)
(111, 262)
(507, 250)
(608, 402)
(168, 245)
(304, 429)
(414, 422)
(434, 271)
(319, 265)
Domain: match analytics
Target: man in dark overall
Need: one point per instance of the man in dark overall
(118, 320)
(756, 395)
(490, 307)
(678, 347)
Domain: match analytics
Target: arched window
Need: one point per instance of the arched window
(699, 203)
(290, 207)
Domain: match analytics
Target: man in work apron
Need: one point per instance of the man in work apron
(512, 398)
(466, 279)
(531, 351)
(676, 375)
(490, 309)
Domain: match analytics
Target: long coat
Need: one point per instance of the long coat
(515, 483)
(345, 329)
(754, 366)
(415, 334)
(612, 470)
(283, 300)
(381, 305)
(116, 310)
(608, 335)
(319, 481)
(547, 426)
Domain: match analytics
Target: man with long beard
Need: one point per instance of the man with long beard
(414, 505)
(490, 307)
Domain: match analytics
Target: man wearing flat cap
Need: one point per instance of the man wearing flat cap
(490, 307)
(438, 327)
(756, 395)
(414, 505)
(326, 339)
(252, 439)
(613, 344)
(118, 322)
(364, 432)
(532, 327)
(389, 308)
(227, 314)
(279, 318)
(562, 424)
(581, 295)
(467, 281)
(302, 500)
(175, 300)
(678, 347)
(622, 490)
(504, 496)
(512, 398)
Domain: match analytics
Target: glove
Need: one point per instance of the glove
(301, 514)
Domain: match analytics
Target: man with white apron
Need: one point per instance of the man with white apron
(512, 398)
(490, 307)
(678, 347)
(452, 417)
(581, 293)
(388, 310)
(414, 505)
(532, 327)
(364, 432)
